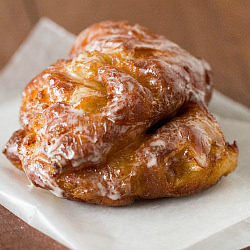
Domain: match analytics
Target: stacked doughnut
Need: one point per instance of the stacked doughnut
(124, 118)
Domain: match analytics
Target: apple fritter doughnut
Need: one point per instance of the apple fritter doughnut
(124, 118)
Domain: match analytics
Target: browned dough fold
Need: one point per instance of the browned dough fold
(124, 118)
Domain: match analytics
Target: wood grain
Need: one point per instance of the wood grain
(16, 234)
(217, 30)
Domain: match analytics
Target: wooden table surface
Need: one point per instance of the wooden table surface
(217, 30)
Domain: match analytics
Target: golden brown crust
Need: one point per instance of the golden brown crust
(124, 118)
(185, 156)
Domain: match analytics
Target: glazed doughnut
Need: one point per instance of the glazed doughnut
(124, 118)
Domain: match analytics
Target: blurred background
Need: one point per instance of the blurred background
(217, 30)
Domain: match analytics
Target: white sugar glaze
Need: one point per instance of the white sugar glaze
(109, 192)
(152, 161)
(135, 91)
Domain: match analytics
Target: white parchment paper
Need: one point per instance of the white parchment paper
(218, 218)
